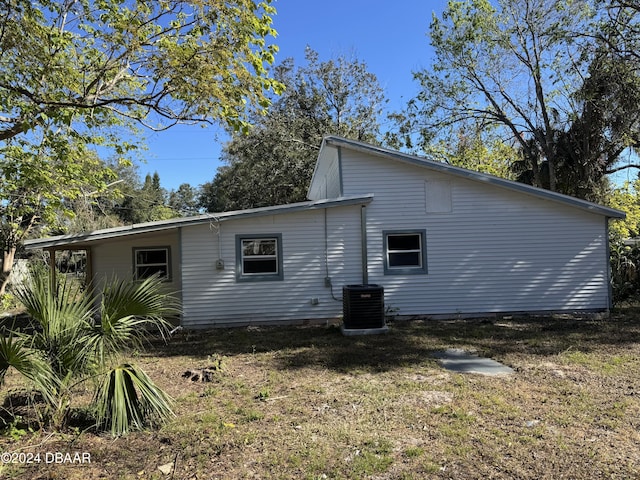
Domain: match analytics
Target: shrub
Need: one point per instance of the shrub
(74, 340)
(625, 269)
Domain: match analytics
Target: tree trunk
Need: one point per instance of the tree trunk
(7, 264)
(551, 164)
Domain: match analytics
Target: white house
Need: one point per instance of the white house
(440, 240)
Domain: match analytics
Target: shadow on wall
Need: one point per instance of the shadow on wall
(478, 281)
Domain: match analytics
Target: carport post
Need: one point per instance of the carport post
(52, 269)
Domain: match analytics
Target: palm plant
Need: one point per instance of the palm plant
(75, 339)
(128, 398)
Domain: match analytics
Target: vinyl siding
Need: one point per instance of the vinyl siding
(114, 258)
(333, 180)
(496, 250)
(326, 179)
(214, 297)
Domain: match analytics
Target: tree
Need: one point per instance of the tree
(184, 200)
(144, 202)
(621, 25)
(198, 61)
(532, 70)
(38, 179)
(77, 74)
(74, 341)
(626, 198)
(477, 151)
(274, 162)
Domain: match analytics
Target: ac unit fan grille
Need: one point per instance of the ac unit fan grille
(363, 306)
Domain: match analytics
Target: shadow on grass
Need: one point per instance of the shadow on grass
(297, 347)
(410, 342)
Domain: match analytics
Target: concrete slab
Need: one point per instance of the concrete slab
(458, 360)
(348, 332)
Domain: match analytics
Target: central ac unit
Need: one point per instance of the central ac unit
(363, 307)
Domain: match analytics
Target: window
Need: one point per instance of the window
(259, 257)
(151, 261)
(404, 253)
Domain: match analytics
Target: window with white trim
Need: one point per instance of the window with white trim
(404, 252)
(259, 257)
(152, 261)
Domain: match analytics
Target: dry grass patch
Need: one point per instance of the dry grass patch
(306, 402)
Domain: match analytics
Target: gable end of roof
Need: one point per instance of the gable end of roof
(422, 162)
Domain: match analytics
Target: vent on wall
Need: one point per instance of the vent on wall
(363, 307)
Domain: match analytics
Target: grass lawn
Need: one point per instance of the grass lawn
(308, 403)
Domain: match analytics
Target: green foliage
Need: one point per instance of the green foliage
(74, 341)
(61, 318)
(273, 164)
(127, 310)
(554, 79)
(625, 271)
(76, 76)
(38, 184)
(13, 430)
(128, 399)
(184, 200)
(182, 61)
(8, 302)
(29, 362)
(625, 198)
(486, 155)
(140, 202)
(216, 363)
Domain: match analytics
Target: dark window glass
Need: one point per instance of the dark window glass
(151, 262)
(404, 242)
(260, 256)
(260, 266)
(411, 259)
(404, 250)
(151, 256)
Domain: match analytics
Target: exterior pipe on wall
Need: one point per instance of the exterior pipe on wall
(340, 170)
(363, 229)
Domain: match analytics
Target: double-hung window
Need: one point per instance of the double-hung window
(259, 257)
(152, 261)
(405, 252)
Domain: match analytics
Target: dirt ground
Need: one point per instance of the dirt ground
(307, 402)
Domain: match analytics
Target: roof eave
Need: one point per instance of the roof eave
(150, 227)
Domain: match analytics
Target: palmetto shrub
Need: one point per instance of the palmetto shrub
(625, 271)
(77, 338)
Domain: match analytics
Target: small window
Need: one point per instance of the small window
(151, 261)
(259, 257)
(404, 253)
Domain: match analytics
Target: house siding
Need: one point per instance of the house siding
(327, 178)
(491, 246)
(333, 185)
(496, 250)
(115, 258)
(214, 297)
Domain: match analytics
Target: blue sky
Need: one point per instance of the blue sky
(391, 38)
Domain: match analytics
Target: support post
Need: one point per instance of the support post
(88, 269)
(52, 269)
